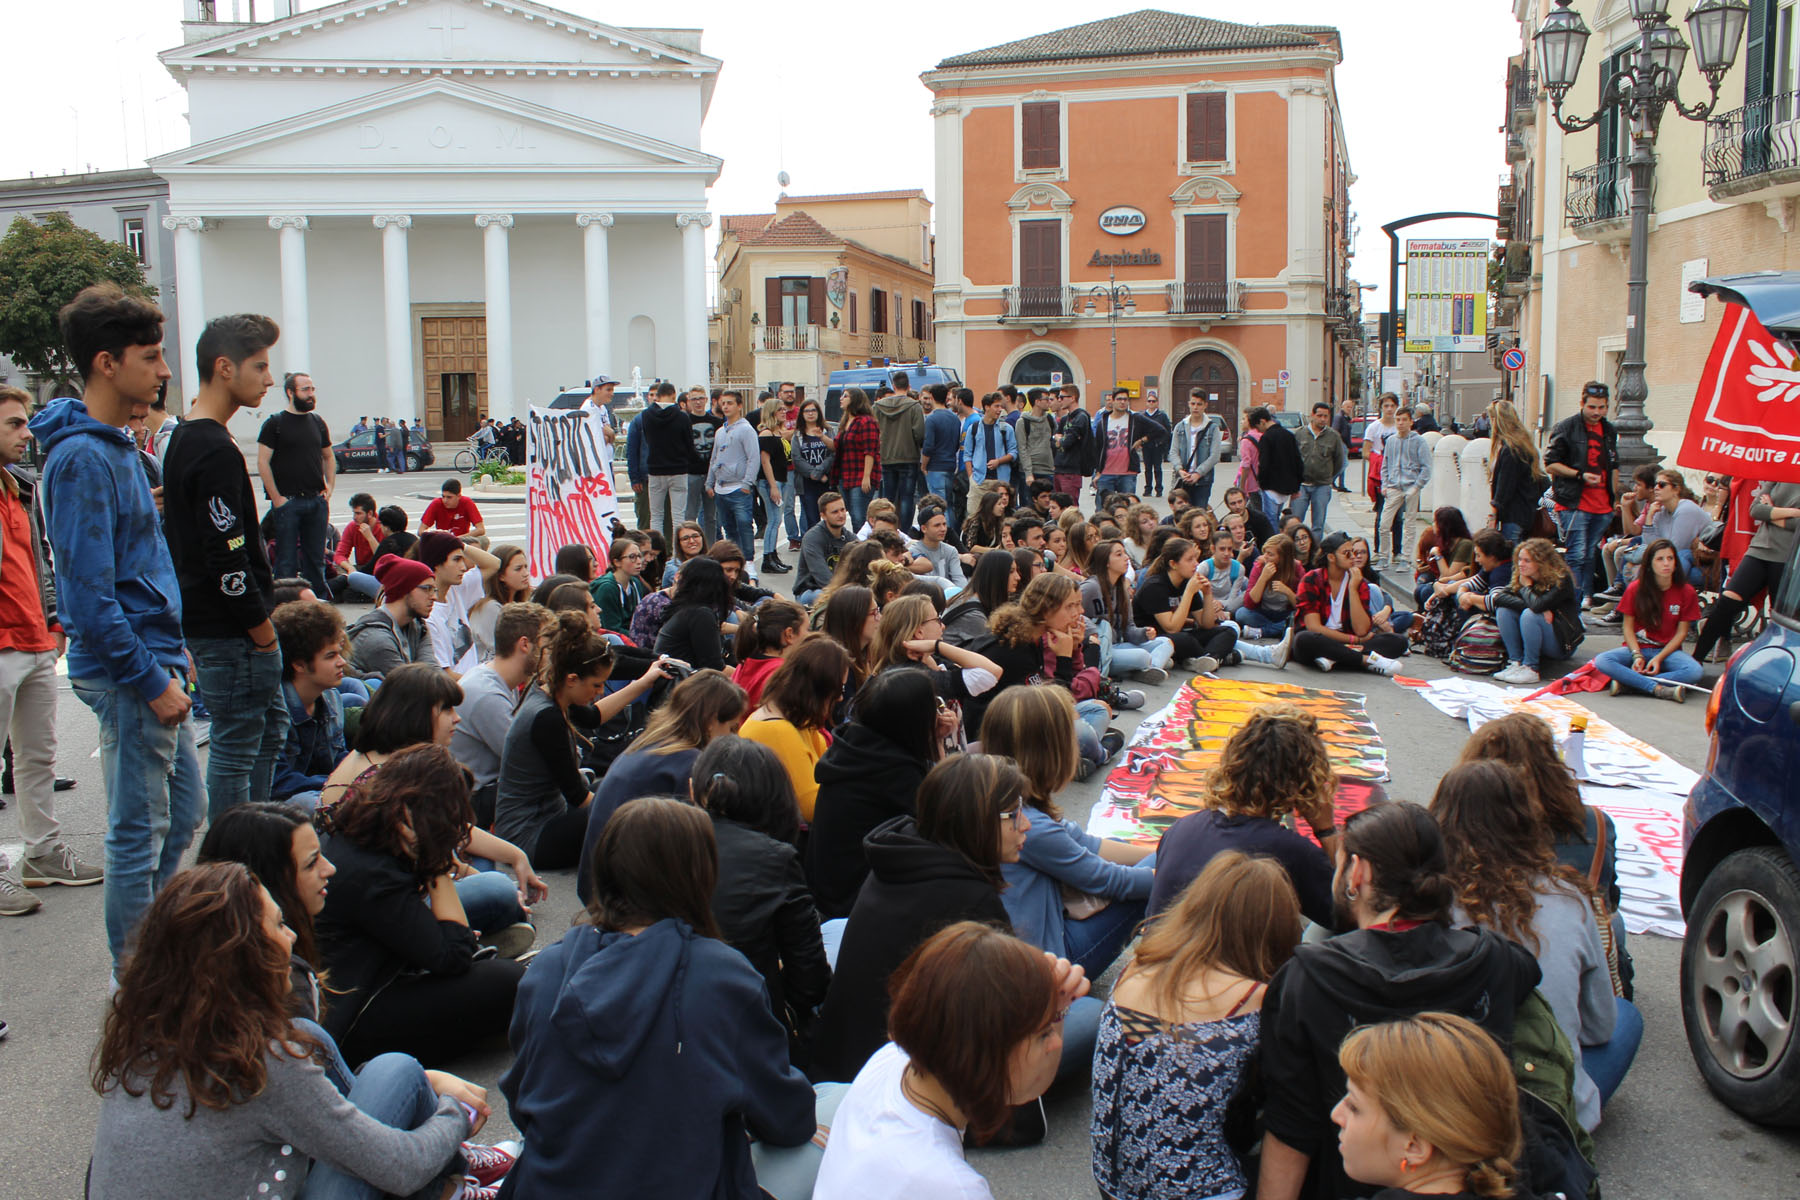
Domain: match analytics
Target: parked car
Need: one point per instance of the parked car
(1740, 876)
(871, 378)
(1357, 425)
(364, 451)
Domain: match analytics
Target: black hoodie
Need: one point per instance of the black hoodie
(1362, 978)
(915, 888)
(668, 439)
(864, 780)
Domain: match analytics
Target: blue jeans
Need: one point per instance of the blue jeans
(300, 537)
(1679, 667)
(1081, 1029)
(363, 584)
(1607, 1063)
(1093, 944)
(900, 483)
(938, 484)
(737, 518)
(490, 900)
(242, 687)
(153, 800)
(1114, 483)
(391, 1088)
(810, 491)
(1529, 637)
(1314, 498)
(1091, 720)
(1512, 531)
(856, 500)
(1254, 619)
(1581, 534)
(1123, 658)
(772, 517)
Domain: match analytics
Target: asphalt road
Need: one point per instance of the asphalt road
(1664, 1135)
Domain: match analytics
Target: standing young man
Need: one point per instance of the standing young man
(119, 600)
(1072, 443)
(227, 592)
(1278, 468)
(31, 641)
(703, 427)
(394, 438)
(1036, 430)
(298, 470)
(1323, 455)
(731, 473)
(1582, 457)
(901, 419)
(1344, 422)
(1405, 470)
(1122, 434)
(668, 437)
(990, 446)
(1198, 446)
(1158, 446)
(937, 453)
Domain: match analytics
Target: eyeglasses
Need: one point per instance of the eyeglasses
(1012, 814)
(430, 589)
(629, 557)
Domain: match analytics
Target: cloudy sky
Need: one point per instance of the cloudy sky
(830, 92)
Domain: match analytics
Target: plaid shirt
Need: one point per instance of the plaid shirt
(1316, 596)
(861, 436)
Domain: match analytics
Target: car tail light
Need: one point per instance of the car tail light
(1718, 693)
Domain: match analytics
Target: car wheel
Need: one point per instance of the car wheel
(414, 463)
(1738, 993)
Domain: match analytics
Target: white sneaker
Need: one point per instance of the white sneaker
(1323, 663)
(1279, 655)
(1250, 633)
(1206, 664)
(1382, 665)
(1517, 673)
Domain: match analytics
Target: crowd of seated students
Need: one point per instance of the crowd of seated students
(826, 882)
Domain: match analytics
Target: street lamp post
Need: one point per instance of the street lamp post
(1115, 296)
(1641, 89)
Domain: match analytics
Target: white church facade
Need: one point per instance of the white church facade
(452, 207)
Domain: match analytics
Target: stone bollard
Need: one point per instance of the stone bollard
(1446, 473)
(1475, 501)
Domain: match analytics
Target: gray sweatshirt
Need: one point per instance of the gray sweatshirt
(486, 712)
(1681, 526)
(736, 458)
(945, 562)
(1772, 543)
(1405, 462)
(264, 1146)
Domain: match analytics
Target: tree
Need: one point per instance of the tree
(42, 266)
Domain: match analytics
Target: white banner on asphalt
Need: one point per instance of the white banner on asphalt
(1642, 789)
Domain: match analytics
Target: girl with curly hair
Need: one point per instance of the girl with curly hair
(1276, 764)
(1508, 881)
(209, 1087)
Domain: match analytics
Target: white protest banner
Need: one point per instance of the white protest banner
(569, 489)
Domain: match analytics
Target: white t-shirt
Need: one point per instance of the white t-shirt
(451, 638)
(883, 1148)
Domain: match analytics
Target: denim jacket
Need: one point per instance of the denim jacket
(315, 744)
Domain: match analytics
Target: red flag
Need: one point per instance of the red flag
(1745, 420)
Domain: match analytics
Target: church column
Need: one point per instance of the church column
(190, 296)
(594, 237)
(495, 257)
(695, 354)
(396, 293)
(296, 336)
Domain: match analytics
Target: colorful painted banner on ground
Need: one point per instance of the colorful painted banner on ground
(1639, 786)
(569, 490)
(1162, 776)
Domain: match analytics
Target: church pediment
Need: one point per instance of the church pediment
(436, 34)
(437, 123)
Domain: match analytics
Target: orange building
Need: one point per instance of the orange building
(1198, 163)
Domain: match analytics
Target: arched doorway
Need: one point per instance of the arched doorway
(1216, 377)
(1035, 369)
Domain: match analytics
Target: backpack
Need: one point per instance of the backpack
(647, 621)
(1557, 1158)
(1478, 649)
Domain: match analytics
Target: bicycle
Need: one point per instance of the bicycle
(468, 459)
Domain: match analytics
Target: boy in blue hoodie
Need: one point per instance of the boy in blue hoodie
(119, 600)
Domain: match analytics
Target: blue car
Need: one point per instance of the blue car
(1740, 881)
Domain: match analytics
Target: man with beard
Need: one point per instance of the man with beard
(298, 470)
(491, 693)
(1398, 957)
(210, 520)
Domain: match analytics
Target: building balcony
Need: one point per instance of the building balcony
(789, 337)
(1506, 206)
(1039, 302)
(1597, 204)
(1206, 298)
(1753, 154)
(1521, 98)
(1516, 270)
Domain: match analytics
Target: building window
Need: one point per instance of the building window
(852, 312)
(794, 300)
(1040, 133)
(877, 311)
(1040, 269)
(1206, 127)
(134, 238)
(918, 315)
